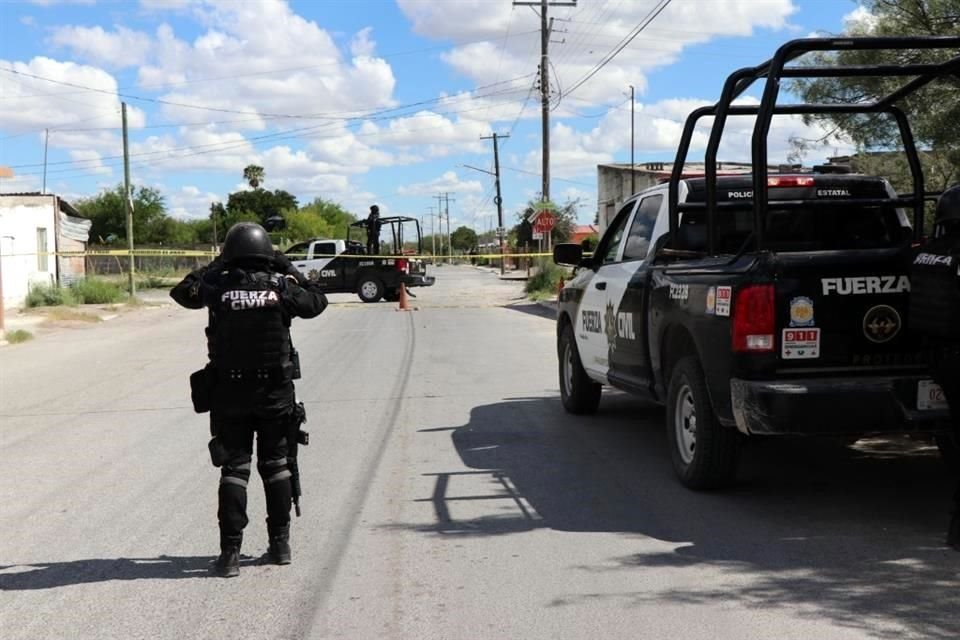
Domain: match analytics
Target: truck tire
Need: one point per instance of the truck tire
(704, 452)
(580, 395)
(370, 288)
(949, 451)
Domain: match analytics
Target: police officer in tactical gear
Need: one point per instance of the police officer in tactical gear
(935, 316)
(252, 292)
(373, 231)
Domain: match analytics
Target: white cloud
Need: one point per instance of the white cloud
(263, 57)
(362, 45)
(680, 25)
(91, 161)
(860, 20)
(118, 49)
(576, 153)
(28, 21)
(190, 202)
(449, 181)
(29, 104)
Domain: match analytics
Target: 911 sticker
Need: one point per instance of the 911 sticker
(800, 344)
(722, 303)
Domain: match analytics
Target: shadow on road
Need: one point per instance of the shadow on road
(851, 533)
(533, 309)
(61, 574)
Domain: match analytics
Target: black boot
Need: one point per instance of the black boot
(279, 549)
(228, 564)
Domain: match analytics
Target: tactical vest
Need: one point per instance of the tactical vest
(250, 330)
(935, 291)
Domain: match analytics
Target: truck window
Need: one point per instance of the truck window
(835, 227)
(298, 251)
(638, 240)
(611, 247)
(325, 249)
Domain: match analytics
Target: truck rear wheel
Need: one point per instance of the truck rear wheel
(579, 394)
(704, 452)
(370, 289)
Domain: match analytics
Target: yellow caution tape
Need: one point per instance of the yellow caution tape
(212, 254)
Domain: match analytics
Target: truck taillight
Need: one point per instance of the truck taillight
(790, 181)
(402, 265)
(754, 320)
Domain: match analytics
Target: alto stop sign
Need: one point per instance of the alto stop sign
(544, 222)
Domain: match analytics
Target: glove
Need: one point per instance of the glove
(283, 265)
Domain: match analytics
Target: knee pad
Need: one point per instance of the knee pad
(235, 474)
(273, 470)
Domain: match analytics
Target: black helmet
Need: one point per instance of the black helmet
(948, 206)
(247, 241)
(375, 208)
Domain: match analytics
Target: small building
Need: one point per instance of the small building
(34, 228)
(614, 184)
(583, 231)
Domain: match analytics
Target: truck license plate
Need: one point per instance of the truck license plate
(930, 396)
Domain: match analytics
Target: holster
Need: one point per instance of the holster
(218, 453)
(201, 388)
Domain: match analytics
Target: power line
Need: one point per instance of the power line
(185, 105)
(650, 17)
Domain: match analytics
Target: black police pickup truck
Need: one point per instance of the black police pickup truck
(798, 329)
(345, 266)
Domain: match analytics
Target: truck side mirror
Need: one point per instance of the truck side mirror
(568, 254)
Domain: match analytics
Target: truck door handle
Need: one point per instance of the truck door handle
(601, 285)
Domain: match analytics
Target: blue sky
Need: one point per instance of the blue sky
(363, 101)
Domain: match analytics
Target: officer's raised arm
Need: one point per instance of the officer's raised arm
(189, 291)
(304, 302)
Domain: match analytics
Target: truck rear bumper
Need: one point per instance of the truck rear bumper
(831, 406)
(419, 281)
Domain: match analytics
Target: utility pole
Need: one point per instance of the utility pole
(546, 27)
(446, 202)
(499, 199)
(633, 186)
(46, 144)
(433, 237)
(439, 198)
(127, 203)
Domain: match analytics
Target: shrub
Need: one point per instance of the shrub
(547, 277)
(93, 291)
(45, 295)
(18, 335)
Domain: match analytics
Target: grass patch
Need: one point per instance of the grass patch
(18, 335)
(156, 282)
(94, 291)
(44, 295)
(70, 315)
(546, 279)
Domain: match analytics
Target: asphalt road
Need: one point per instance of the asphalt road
(446, 495)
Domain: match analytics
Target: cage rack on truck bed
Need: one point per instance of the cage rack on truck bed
(773, 71)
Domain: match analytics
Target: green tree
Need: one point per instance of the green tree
(107, 213)
(332, 213)
(933, 111)
(306, 224)
(260, 204)
(463, 239)
(254, 175)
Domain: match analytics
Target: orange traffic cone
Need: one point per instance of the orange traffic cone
(404, 305)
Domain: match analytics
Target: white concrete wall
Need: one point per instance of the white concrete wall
(20, 217)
